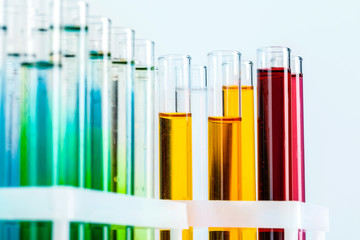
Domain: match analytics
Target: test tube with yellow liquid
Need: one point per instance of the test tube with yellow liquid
(175, 144)
(224, 133)
(247, 166)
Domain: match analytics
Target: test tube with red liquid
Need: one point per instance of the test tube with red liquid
(273, 129)
(297, 165)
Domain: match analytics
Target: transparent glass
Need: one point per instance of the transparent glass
(144, 126)
(175, 132)
(224, 129)
(14, 53)
(98, 111)
(297, 161)
(39, 105)
(247, 167)
(199, 139)
(3, 172)
(122, 107)
(273, 128)
(122, 104)
(72, 106)
(97, 128)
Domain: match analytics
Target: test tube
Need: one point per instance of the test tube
(39, 106)
(122, 74)
(175, 145)
(199, 139)
(144, 126)
(247, 167)
(14, 55)
(273, 128)
(72, 113)
(3, 162)
(224, 129)
(9, 161)
(297, 164)
(122, 107)
(98, 116)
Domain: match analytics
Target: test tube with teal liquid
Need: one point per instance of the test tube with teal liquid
(72, 107)
(122, 107)
(39, 105)
(144, 87)
(98, 116)
(3, 27)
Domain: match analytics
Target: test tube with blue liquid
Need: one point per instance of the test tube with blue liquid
(122, 105)
(72, 108)
(98, 116)
(3, 27)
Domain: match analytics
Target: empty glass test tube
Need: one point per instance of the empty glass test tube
(175, 144)
(72, 106)
(273, 129)
(297, 161)
(144, 126)
(122, 108)
(224, 132)
(247, 167)
(199, 139)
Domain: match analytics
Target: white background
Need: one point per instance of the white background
(325, 32)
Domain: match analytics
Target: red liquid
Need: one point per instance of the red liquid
(297, 166)
(273, 140)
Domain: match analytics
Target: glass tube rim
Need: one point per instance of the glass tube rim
(174, 57)
(224, 53)
(297, 57)
(144, 41)
(204, 82)
(98, 20)
(118, 29)
(274, 49)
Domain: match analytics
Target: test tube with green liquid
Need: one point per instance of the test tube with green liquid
(39, 105)
(98, 116)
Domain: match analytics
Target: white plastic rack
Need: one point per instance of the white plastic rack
(63, 205)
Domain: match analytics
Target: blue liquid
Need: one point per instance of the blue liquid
(97, 135)
(36, 138)
(12, 120)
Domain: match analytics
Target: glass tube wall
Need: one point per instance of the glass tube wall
(122, 105)
(199, 139)
(175, 125)
(144, 126)
(224, 129)
(297, 161)
(72, 111)
(273, 129)
(247, 167)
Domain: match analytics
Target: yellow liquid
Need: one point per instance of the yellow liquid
(175, 161)
(247, 167)
(224, 153)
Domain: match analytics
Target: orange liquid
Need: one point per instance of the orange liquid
(224, 153)
(175, 161)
